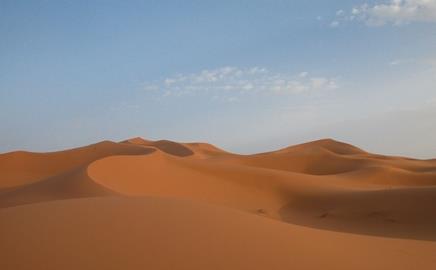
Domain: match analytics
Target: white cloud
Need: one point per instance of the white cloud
(334, 24)
(303, 74)
(227, 83)
(318, 82)
(395, 12)
(397, 62)
(169, 81)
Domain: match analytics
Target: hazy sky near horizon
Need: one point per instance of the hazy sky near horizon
(247, 75)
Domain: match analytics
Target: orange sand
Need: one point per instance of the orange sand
(142, 204)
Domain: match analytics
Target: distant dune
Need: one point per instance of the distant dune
(141, 204)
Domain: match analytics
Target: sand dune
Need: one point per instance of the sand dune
(179, 149)
(299, 207)
(69, 185)
(19, 168)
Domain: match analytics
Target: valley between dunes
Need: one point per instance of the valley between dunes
(141, 204)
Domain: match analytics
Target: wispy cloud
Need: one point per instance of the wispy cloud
(394, 12)
(397, 62)
(227, 82)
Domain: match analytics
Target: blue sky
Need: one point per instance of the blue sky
(245, 75)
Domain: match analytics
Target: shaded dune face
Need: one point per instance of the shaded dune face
(69, 185)
(392, 212)
(323, 184)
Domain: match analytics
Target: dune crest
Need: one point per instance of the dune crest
(178, 149)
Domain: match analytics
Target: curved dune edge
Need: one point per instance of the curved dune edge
(404, 212)
(70, 185)
(157, 233)
(21, 168)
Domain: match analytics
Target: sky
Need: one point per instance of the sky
(247, 75)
